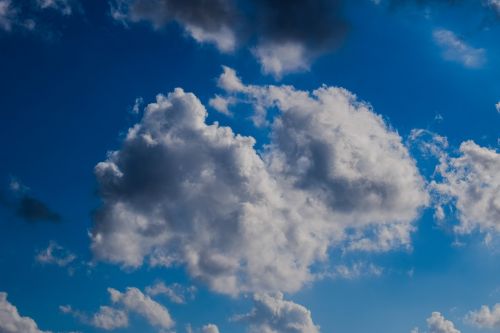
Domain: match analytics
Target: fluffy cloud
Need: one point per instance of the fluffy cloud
(288, 34)
(273, 314)
(108, 318)
(210, 328)
(455, 49)
(180, 191)
(133, 300)
(438, 324)
(12, 322)
(471, 182)
(175, 292)
(485, 317)
(55, 254)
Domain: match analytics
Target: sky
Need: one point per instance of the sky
(262, 166)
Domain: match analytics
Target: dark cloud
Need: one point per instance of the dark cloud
(206, 14)
(319, 24)
(33, 210)
(285, 36)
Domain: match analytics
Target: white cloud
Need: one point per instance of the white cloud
(180, 191)
(133, 300)
(485, 317)
(281, 59)
(12, 322)
(210, 328)
(497, 107)
(455, 49)
(221, 104)
(273, 314)
(223, 38)
(471, 182)
(55, 254)
(107, 318)
(175, 292)
(355, 271)
(438, 324)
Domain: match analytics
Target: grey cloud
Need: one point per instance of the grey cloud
(33, 210)
(288, 34)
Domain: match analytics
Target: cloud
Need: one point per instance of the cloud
(455, 49)
(497, 107)
(12, 322)
(271, 313)
(133, 300)
(175, 292)
(55, 254)
(33, 210)
(205, 21)
(438, 324)
(130, 301)
(7, 15)
(210, 328)
(107, 318)
(182, 192)
(285, 36)
(485, 317)
(64, 7)
(471, 182)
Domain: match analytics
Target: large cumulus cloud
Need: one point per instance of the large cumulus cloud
(181, 191)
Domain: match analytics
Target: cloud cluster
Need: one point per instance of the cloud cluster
(485, 317)
(438, 324)
(471, 182)
(12, 322)
(285, 35)
(272, 314)
(181, 191)
(130, 301)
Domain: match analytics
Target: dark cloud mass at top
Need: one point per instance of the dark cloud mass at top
(286, 35)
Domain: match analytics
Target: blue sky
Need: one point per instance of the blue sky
(368, 199)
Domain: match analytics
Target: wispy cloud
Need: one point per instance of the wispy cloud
(456, 49)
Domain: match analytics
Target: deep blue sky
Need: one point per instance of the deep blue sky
(67, 92)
